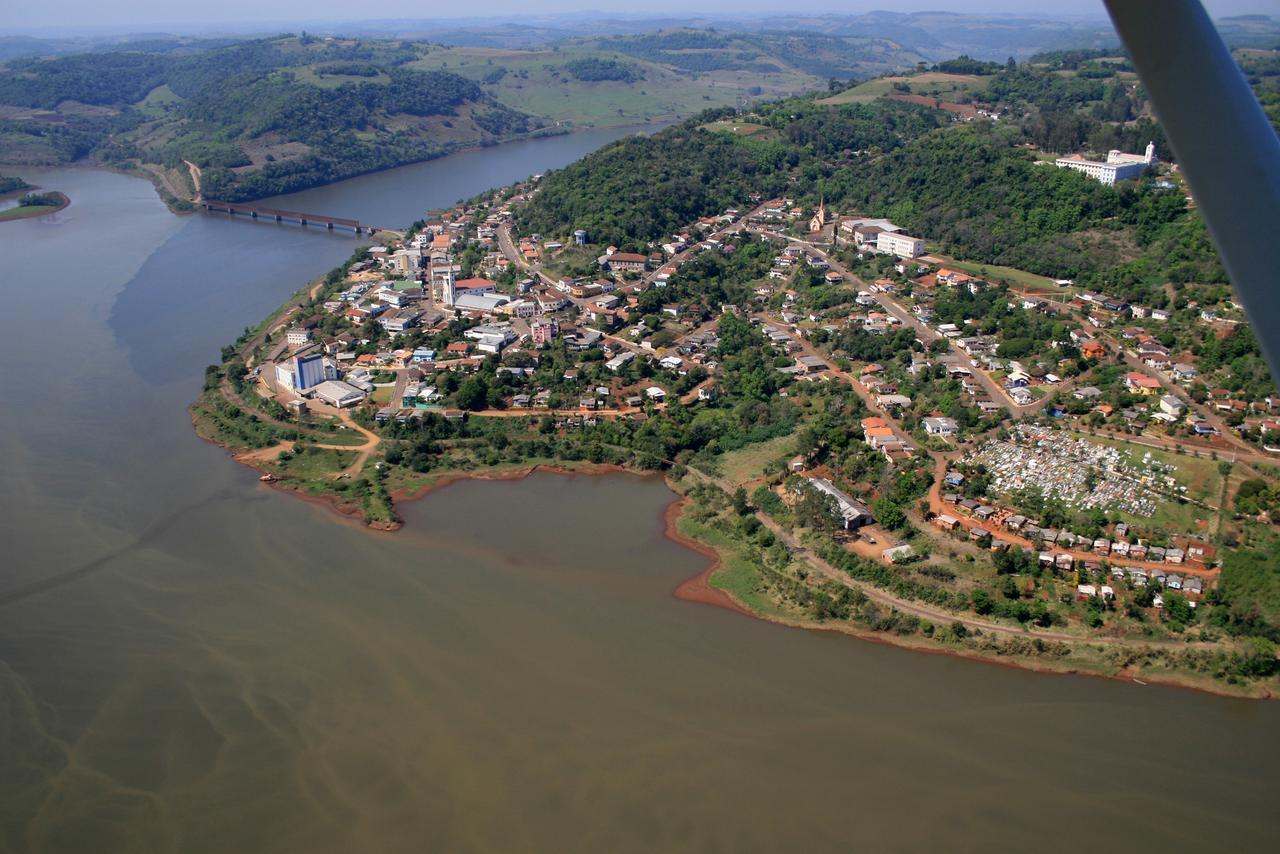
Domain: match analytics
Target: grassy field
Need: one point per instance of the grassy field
(936, 83)
(314, 463)
(1015, 277)
(747, 464)
(159, 102)
(737, 576)
(537, 82)
(744, 129)
(26, 212)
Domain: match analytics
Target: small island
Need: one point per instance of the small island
(35, 205)
(877, 422)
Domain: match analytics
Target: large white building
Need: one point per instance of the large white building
(897, 243)
(303, 372)
(338, 394)
(1118, 166)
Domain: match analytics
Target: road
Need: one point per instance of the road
(925, 333)
(918, 609)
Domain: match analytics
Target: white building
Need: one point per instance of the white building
(620, 361)
(902, 245)
(1118, 166)
(338, 394)
(941, 426)
(302, 372)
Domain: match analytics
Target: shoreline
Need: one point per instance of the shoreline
(36, 214)
(181, 206)
(698, 589)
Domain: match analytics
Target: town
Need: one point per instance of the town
(957, 426)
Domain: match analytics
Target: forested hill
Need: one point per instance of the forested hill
(258, 117)
(975, 188)
(641, 188)
(272, 115)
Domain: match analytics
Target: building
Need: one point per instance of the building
(1117, 167)
(338, 394)
(543, 330)
(297, 336)
(1171, 405)
(620, 361)
(819, 219)
(1140, 383)
(473, 286)
(902, 245)
(303, 372)
(941, 426)
(851, 513)
(624, 262)
(485, 303)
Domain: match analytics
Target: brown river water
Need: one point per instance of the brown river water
(190, 662)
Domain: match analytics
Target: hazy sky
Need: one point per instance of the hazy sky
(18, 16)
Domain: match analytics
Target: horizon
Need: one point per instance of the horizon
(240, 17)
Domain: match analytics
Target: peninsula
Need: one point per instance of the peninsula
(834, 326)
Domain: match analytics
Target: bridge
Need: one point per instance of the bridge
(256, 212)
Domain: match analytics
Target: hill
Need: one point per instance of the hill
(261, 117)
(258, 118)
(976, 188)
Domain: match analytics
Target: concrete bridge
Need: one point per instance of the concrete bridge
(256, 212)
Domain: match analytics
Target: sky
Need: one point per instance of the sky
(186, 16)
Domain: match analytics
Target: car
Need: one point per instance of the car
(867, 538)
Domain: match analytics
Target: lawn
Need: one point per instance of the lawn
(743, 129)
(748, 463)
(1011, 275)
(314, 463)
(22, 212)
(936, 83)
(737, 576)
(160, 101)
(536, 82)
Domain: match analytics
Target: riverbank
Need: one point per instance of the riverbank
(33, 211)
(1089, 659)
(184, 203)
(761, 571)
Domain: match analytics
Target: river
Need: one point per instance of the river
(191, 662)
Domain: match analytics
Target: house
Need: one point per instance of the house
(1199, 552)
(655, 393)
(1021, 396)
(946, 522)
(1092, 350)
(810, 364)
(1140, 383)
(941, 426)
(620, 361)
(1171, 405)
